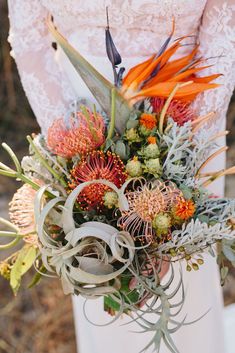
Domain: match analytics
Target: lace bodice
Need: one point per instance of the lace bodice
(138, 27)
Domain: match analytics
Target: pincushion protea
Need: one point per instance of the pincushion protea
(84, 134)
(145, 202)
(97, 165)
(180, 112)
(21, 212)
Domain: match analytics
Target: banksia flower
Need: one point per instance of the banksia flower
(93, 166)
(84, 133)
(180, 112)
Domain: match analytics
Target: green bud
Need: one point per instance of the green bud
(188, 268)
(187, 257)
(162, 223)
(110, 199)
(144, 131)
(195, 266)
(132, 135)
(134, 168)
(173, 252)
(200, 261)
(151, 151)
(153, 166)
(5, 270)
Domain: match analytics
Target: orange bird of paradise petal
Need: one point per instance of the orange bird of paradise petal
(157, 76)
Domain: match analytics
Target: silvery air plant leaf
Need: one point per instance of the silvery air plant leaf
(99, 86)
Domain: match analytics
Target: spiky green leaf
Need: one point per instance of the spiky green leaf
(99, 86)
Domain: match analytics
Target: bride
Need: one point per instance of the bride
(51, 84)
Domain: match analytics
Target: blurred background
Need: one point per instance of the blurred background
(40, 320)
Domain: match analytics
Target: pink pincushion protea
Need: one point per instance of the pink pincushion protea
(85, 133)
(97, 165)
(21, 212)
(145, 202)
(180, 112)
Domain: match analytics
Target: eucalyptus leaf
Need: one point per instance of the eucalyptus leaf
(186, 192)
(121, 150)
(37, 277)
(108, 144)
(228, 252)
(131, 124)
(23, 263)
(224, 272)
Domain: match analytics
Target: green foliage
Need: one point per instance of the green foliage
(23, 263)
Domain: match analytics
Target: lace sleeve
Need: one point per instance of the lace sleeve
(45, 86)
(217, 42)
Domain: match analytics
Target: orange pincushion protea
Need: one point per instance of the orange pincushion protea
(97, 165)
(84, 134)
(184, 209)
(180, 112)
(148, 120)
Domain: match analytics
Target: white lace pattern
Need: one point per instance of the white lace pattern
(138, 26)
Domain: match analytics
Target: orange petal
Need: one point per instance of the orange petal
(186, 74)
(184, 93)
(136, 70)
(207, 79)
(142, 71)
(173, 67)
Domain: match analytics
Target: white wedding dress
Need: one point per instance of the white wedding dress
(139, 27)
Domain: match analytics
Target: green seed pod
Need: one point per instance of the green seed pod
(162, 223)
(110, 199)
(134, 168)
(200, 261)
(132, 135)
(144, 131)
(188, 268)
(195, 266)
(153, 166)
(151, 151)
(173, 252)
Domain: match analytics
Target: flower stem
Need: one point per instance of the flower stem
(113, 115)
(167, 103)
(45, 164)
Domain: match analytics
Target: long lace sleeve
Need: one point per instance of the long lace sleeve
(217, 42)
(46, 87)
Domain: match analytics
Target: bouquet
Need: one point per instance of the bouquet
(113, 196)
